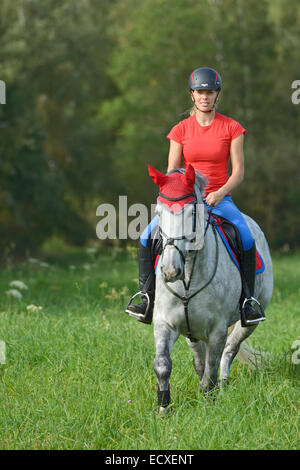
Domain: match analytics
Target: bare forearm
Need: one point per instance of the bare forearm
(233, 181)
(215, 197)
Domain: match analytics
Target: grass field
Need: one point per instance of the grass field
(78, 373)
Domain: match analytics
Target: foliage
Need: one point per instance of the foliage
(254, 46)
(52, 143)
(94, 86)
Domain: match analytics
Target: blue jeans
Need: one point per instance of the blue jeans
(227, 209)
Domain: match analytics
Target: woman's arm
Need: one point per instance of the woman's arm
(175, 153)
(237, 173)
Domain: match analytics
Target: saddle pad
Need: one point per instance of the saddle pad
(260, 265)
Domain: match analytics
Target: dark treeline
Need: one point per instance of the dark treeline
(94, 86)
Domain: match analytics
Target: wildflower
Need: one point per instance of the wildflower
(91, 250)
(18, 285)
(14, 293)
(124, 290)
(113, 295)
(43, 264)
(33, 308)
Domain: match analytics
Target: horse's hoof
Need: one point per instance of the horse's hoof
(223, 383)
(209, 391)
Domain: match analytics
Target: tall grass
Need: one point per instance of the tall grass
(79, 372)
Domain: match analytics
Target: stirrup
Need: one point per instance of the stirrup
(138, 315)
(254, 321)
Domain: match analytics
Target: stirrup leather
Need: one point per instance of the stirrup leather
(138, 315)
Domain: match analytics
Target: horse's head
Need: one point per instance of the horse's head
(181, 218)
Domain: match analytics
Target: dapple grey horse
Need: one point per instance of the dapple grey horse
(197, 295)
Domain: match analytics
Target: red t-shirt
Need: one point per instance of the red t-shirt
(207, 148)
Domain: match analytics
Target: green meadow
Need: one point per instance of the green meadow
(77, 373)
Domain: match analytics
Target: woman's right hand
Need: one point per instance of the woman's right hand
(214, 198)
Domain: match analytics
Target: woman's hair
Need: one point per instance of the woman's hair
(193, 110)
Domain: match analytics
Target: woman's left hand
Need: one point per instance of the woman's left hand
(214, 198)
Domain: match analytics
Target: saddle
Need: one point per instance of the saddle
(230, 236)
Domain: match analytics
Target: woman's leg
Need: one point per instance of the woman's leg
(143, 311)
(228, 210)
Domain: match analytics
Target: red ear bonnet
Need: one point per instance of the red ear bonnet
(176, 189)
(159, 178)
(189, 175)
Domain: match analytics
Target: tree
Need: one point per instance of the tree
(53, 144)
(157, 47)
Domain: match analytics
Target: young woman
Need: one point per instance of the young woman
(207, 140)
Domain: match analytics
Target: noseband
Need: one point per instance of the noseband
(171, 242)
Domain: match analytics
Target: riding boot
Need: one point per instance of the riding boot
(251, 310)
(144, 311)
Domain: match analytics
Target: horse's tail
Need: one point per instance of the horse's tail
(252, 357)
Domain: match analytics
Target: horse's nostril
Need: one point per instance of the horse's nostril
(172, 273)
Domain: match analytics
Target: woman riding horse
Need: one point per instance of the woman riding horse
(206, 140)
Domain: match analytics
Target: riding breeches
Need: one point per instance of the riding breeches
(226, 209)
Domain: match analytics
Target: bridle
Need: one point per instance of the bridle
(171, 241)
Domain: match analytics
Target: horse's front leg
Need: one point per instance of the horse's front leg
(214, 350)
(164, 341)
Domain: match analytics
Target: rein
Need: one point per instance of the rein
(186, 298)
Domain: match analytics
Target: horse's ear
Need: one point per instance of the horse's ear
(189, 175)
(158, 177)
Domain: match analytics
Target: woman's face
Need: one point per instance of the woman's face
(204, 99)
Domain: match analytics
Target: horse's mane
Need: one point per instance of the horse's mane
(200, 180)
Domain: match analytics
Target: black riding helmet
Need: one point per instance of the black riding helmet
(205, 78)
